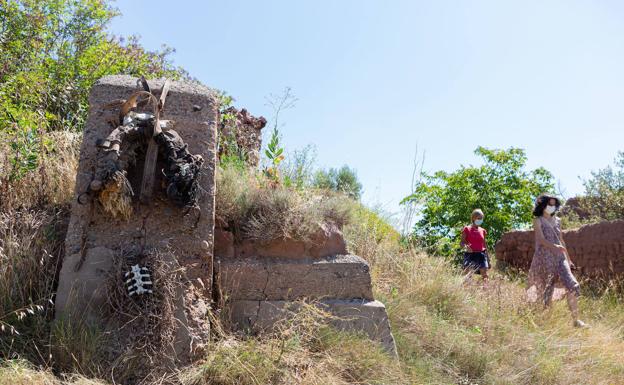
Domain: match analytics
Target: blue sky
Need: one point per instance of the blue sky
(375, 79)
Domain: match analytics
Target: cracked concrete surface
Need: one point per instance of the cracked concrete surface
(256, 278)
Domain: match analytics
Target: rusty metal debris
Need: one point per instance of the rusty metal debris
(182, 169)
(144, 135)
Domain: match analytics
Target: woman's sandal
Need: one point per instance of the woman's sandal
(580, 324)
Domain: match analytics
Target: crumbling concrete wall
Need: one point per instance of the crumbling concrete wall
(245, 130)
(156, 229)
(596, 249)
(263, 283)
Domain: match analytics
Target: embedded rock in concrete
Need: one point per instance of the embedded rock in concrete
(328, 240)
(368, 317)
(153, 228)
(596, 249)
(257, 278)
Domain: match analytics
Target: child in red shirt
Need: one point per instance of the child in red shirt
(473, 238)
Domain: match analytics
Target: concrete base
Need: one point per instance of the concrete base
(86, 290)
(353, 315)
(339, 276)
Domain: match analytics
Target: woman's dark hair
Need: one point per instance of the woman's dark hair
(542, 201)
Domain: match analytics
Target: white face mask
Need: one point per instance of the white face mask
(551, 209)
(479, 222)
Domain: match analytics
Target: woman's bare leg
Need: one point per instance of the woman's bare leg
(572, 298)
(549, 291)
(484, 273)
(573, 305)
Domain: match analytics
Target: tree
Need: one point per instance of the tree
(501, 187)
(343, 180)
(51, 53)
(604, 192)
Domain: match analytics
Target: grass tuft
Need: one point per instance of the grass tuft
(255, 210)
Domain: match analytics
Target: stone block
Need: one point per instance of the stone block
(350, 315)
(255, 278)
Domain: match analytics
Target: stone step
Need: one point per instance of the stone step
(351, 315)
(256, 278)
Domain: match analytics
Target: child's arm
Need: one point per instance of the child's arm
(487, 255)
(484, 240)
(464, 243)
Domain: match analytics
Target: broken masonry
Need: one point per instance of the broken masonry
(144, 134)
(144, 199)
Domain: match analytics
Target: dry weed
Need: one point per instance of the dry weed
(116, 196)
(147, 324)
(301, 349)
(258, 212)
(52, 182)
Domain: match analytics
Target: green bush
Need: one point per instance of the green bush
(343, 180)
(604, 192)
(51, 53)
(297, 168)
(501, 187)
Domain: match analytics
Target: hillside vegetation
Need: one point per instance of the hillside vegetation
(448, 329)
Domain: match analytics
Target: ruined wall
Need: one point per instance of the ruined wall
(262, 283)
(596, 249)
(245, 129)
(176, 243)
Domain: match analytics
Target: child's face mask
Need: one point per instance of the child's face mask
(478, 222)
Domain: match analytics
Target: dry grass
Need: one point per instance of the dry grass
(147, 324)
(303, 350)
(21, 373)
(491, 335)
(51, 183)
(30, 254)
(256, 210)
(116, 197)
(370, 237)
(33, 214)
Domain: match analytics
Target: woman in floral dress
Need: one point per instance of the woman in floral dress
(550, 276)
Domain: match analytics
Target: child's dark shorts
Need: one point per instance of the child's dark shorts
(476, 261)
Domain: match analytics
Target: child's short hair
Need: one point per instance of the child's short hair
(476, 212)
